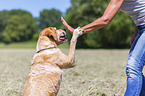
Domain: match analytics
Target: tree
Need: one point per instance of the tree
(50, 18)
(16, 25)
(3, 21)
(115, 35)
(19, 28)
(5, 15)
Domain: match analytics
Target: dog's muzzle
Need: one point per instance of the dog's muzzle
(63, 37)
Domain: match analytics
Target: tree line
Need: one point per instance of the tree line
(20, 25)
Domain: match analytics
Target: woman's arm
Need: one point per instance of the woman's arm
(103, 21)
(108, 15)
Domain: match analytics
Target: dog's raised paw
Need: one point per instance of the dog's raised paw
(78, 31)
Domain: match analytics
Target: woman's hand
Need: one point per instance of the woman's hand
(69, 28)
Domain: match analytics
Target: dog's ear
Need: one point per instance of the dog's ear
(51, 32)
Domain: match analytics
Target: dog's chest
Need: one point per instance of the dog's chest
(46, 55)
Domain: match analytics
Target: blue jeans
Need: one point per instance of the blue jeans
(135, 64)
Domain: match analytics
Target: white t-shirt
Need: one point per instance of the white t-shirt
(135, 9)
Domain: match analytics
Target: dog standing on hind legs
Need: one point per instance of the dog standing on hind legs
(47, 64)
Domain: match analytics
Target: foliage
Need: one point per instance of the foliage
(83, 12)
(19, 45)
(19, 28)
(3, 21)
(35, 36)
(5, 15)
(50, 18)
(17, 25)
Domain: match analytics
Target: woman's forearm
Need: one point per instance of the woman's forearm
(95, 25)
(108, 15)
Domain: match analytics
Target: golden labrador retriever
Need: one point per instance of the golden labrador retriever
(47, 64)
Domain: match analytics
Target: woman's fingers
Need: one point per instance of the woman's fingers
(67, 26)
(64, 22)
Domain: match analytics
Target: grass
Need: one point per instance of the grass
(97, 72)
(18, 45)
(25, 45)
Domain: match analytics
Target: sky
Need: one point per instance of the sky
(35, 6)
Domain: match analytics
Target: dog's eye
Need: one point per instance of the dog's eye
(64, 30)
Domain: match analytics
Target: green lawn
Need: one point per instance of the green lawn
(97, 72)
(25, 45)
(18, 45)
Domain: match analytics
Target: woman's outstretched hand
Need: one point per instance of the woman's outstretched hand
(69, 28)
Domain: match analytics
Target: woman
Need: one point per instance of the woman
(136, 59)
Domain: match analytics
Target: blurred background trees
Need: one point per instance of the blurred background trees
(19, 25)
(50, 18)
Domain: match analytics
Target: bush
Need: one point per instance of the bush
(19, 28)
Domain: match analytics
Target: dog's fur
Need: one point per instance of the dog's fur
(48, 62)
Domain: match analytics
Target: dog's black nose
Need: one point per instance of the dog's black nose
(64, 30)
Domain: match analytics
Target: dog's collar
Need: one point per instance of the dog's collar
(45, 49)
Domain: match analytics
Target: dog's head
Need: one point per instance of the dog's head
(59, 36)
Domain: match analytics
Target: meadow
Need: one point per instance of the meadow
(98, 72)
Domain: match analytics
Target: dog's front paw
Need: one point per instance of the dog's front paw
(78, 31)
